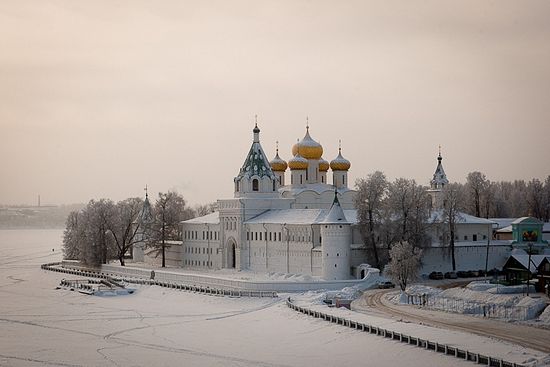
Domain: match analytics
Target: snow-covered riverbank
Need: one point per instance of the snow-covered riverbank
(157, 326)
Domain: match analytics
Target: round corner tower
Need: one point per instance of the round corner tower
(336, 244)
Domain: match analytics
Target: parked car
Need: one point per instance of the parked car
(436, 275)
(473, 273)
(451, 275)
(385, 285)
(462, 274)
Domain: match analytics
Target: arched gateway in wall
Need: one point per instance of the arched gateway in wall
(231, 254)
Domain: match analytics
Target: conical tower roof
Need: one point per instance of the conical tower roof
(256, 162)
(336, 213)
(145, 216)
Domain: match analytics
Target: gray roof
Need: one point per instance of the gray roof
(298, 216)
(212, 218)
(535, 260)
(463, 218)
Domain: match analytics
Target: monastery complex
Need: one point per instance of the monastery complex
(309, 225)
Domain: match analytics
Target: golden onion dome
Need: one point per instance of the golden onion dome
(297, 162)
(295, 147)
(309, 148)
(340, 163)
(323, 165)
(278, 164)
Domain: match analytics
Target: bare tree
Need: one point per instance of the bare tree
(489, 199)
(405, 264)
(535, 198)
(123, 227)
(452, 200)
(476, 183)
(169, 211)
(368, 202)
(546, 201)
(408, 205)
(204, 209)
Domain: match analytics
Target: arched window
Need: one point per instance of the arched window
(274, 185)
(255, 185)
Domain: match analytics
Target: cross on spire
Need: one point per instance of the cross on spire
(277, 146)
(146, 193)
(307, 123)
(339, 145)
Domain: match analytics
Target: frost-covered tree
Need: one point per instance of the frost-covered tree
(452, 202)
(371, 192)
(546, 200)
(476, 184)
(535, 198)
(170, 209)
(408, 205)
(86, 238)
(404, 265)
(72, 237)
(489, 195)
(122, 226)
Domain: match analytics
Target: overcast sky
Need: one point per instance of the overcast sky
(100, 98)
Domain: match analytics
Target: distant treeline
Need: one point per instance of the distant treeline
(506, 199)
(44, 217)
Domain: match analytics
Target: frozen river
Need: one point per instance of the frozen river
(43, 326)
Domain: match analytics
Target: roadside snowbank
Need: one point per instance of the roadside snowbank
(477, 298)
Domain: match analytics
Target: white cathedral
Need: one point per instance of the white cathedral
(302, 228)
(306, 227)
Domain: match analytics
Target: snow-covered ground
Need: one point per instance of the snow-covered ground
(471, 342)
(157, 326)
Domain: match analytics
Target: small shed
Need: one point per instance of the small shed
(518, 269)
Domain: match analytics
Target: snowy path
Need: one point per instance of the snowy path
(526, 336)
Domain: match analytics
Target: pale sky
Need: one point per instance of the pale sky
(100, 98)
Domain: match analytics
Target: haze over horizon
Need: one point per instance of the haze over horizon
(100, 98)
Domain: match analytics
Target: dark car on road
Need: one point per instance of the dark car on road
(385, 285)
(436, 275)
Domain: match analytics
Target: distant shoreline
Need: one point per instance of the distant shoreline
(38, 228)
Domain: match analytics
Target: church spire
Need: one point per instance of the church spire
(256, 130)
(439, 179)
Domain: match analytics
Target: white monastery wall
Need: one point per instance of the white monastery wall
(468, 257)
